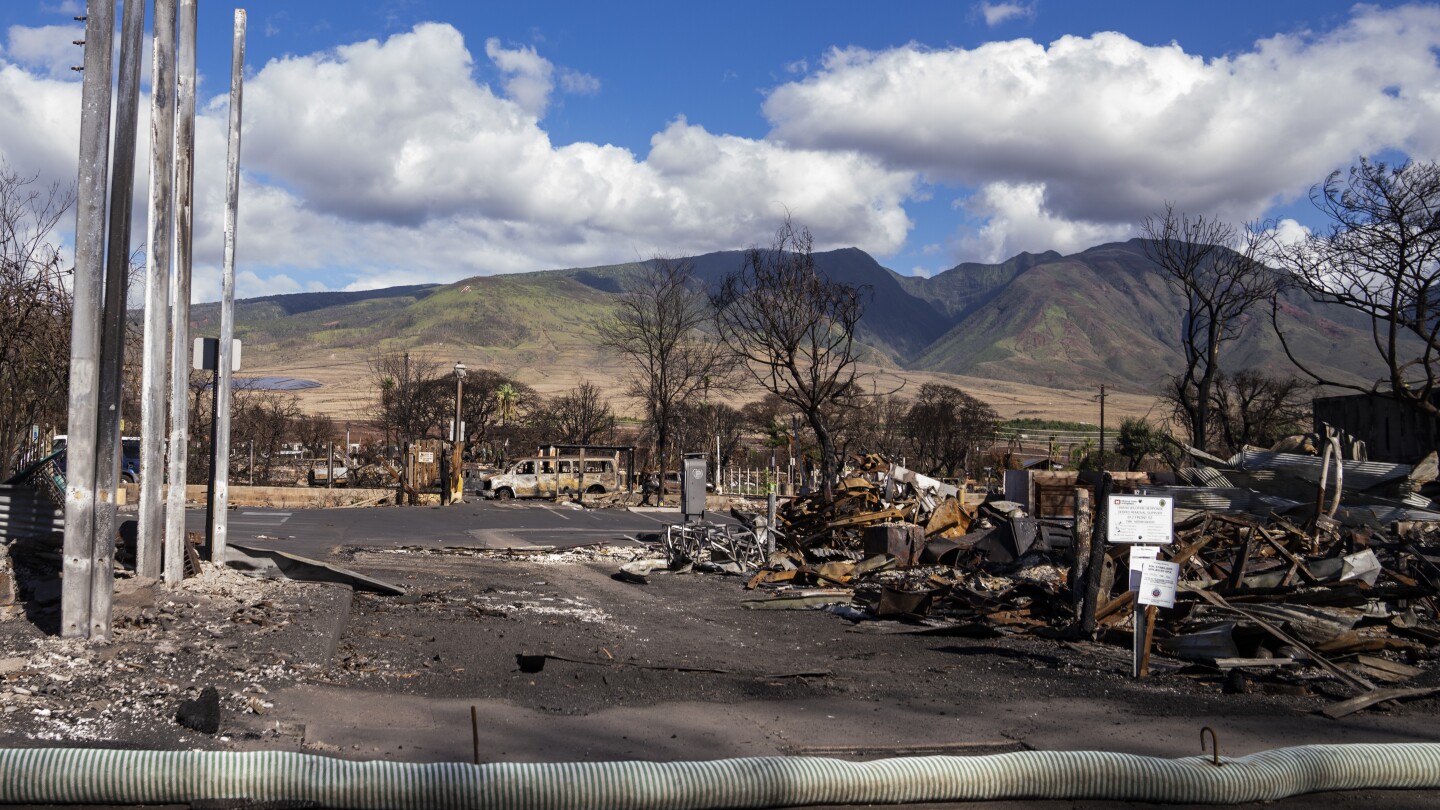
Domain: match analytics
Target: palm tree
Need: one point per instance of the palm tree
(506, 395)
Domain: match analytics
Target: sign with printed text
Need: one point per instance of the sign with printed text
(1139, 555)
(1140, 519)
(1157, 583)
(426, 457)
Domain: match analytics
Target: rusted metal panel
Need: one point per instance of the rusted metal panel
(903, 541)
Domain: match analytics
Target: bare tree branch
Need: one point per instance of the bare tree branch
(1220, 273)
(658, 331)
(1379, 257)
(795, 330)
(35, 310)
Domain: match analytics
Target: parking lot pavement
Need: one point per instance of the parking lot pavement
(484, 524)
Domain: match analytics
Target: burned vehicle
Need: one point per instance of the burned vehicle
(547, 476)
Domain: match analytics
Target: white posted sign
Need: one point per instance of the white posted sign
(1157, 583)
(1140, 519)
(1139, 555)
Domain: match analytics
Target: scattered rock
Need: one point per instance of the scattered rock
(201, 714)
(1236, 683)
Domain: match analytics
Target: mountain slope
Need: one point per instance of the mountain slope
(1106, 316)
(898, 323)
(1101, 316)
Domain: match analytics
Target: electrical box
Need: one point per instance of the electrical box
(692, 487)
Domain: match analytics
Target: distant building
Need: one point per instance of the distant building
(1392, 431)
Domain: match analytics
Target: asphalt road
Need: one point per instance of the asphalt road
(485, 524)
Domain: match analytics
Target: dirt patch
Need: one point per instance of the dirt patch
(241, 635)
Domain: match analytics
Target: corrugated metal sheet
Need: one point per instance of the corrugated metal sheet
(1359, 475)
(1204, 477)
(27, 512)
(1220, 499)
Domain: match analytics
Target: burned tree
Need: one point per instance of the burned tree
(1220, 273)
(658, 331)
(794, 328)
(945, 426)
(315, 432)
(1254, 408)
(1379, 259)
(578, 416)
(35, 310)
(262, 421)
(491, 400)
(408, 405)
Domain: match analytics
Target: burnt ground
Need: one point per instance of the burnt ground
(673, 669)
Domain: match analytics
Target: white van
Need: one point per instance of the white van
(544, 476)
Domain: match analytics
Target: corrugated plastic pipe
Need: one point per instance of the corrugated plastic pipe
(62, 775)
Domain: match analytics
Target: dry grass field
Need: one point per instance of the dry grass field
(347, 390)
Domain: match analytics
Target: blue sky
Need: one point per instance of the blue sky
(431, 140)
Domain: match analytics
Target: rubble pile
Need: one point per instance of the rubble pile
(879, 493)
(1273, 593)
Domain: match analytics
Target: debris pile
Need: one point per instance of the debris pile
(878, 494)
(1274, 593)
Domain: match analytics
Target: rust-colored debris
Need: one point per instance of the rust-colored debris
(1286, 595)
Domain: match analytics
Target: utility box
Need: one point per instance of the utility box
(692, 487)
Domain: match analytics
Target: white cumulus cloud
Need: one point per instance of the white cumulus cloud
(386, 162)
(1016, 219)
(1105, 129)
(529, 76)
(996, 13)
(50, 50)
(390, 160)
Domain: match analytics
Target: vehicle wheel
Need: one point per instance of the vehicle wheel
(128, 478)
(504, 494)
(595, 489)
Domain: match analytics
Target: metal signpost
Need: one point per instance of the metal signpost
(1146, 523)
(208, 356)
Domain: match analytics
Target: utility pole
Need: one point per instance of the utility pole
(1096, 567)
(1102, 428)
(157, 293)
(79, 548)
(457, 494)
(220, 440)
(112, 339)
(180, 315)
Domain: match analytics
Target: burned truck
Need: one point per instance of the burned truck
(545, 477)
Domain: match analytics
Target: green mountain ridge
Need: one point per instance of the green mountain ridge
(1101, 316)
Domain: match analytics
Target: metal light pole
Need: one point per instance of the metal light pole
(457, 495)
